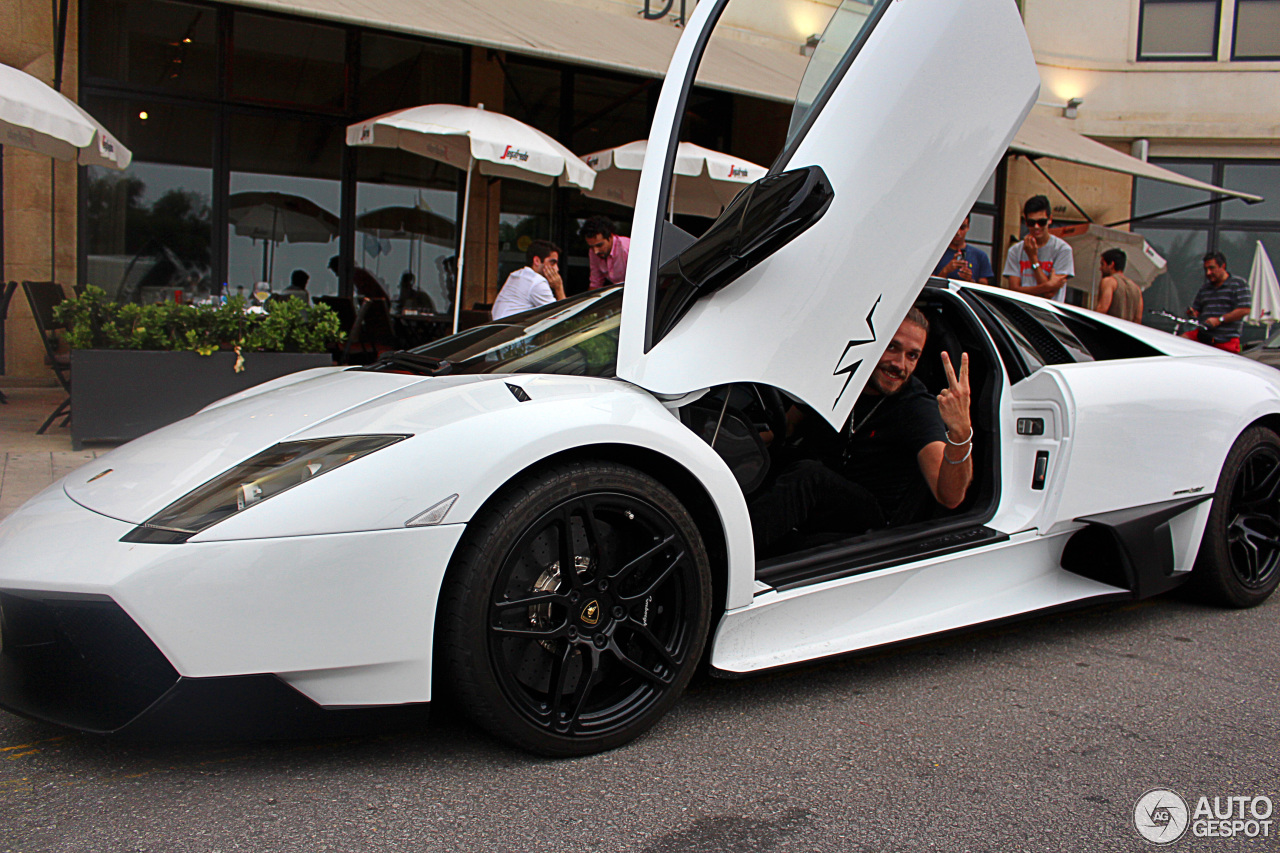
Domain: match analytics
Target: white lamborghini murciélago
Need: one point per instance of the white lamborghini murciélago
(545, 518)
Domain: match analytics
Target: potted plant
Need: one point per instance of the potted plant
(136, 368)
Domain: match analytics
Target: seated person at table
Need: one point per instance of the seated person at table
(412, 298)
(297, 287)
(533, 285)
(897, 432)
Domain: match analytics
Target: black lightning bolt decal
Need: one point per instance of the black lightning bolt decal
(849, 369)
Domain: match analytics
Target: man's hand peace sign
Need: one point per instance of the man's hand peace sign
(953, 402)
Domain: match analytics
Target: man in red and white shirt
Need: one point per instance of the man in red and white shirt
(609, 251)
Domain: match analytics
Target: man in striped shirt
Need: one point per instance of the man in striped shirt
(1221, 304)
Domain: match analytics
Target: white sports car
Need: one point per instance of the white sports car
(546, 518)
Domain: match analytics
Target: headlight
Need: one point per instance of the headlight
(253, 481)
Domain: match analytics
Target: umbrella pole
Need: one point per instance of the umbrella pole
(462, 243)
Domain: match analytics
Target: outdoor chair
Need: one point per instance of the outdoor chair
(42, 296)
(371, 334)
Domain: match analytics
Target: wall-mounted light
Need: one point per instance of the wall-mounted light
(142, 116)
(1069, 110)
(810, 45)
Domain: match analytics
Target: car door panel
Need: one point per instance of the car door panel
(906, 151)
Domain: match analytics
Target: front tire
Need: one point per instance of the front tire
(1239, 560)
(571, 662)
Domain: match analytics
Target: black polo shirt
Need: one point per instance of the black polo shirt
(883, 438)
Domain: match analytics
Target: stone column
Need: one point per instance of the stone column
(40, 198)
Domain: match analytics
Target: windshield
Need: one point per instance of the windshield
(576, 337)
(844, 33)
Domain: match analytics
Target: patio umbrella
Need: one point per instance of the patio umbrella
(392, 222)
(1088, 241)
(1264, 287)
(35, 117)
(279, 218)
(466, 136)
(705, 181)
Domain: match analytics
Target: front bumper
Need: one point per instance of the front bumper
(103, 635)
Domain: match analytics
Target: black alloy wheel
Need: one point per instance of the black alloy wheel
(1239, 560)
(578, 610)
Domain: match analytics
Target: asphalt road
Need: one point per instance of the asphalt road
(1038, 736)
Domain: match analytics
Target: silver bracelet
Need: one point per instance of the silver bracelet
(959, 461)
(947, 434)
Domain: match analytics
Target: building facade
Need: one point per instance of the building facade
(231, 106)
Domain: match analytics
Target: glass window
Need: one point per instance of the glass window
(147, 229)
(1184, 250)
(1155, 196)
(396, 73)
(840, 40)
(288, 62)
(283, 209)
(1257, 33)
(170, 46)
(609, 111)
(406, 211)
(532, 95)
(1240, 247)
(578, 337)
(1258, 178)
(1178, 29)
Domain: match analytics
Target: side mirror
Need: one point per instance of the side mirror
(763, 218)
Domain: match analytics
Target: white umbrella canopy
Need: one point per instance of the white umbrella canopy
(35, 117)
(705, 180)
(1264, 287)
(464, 136)
(502, 146)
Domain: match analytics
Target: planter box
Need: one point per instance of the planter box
(118, 395)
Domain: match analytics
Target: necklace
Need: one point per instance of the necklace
(854, 427)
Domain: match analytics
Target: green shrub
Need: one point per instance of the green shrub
(289, 325)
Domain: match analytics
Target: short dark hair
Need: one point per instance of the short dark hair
(916, 317)
(298, 279)
(539, 249)
(1117, 258)
(1217, 257)
(1035, 204)
(597, 225)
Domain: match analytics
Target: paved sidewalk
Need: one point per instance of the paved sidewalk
(30, 462)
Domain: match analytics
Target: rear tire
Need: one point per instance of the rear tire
(571, 663)
(1239, 560)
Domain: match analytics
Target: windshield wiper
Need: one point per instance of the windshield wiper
(414, 362)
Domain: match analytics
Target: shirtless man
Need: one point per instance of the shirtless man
(1117, 293)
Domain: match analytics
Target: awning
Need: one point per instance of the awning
(566, 33)
(1040, 136)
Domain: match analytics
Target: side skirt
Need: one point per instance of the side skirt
(1018, 575)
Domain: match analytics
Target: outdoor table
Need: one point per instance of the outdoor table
(415, 328)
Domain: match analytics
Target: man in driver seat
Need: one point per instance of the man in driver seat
(897, 432)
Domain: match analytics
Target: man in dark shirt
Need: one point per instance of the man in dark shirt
(897, 431)
(1221, 304)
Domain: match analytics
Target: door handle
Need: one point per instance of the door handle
(1041, 470)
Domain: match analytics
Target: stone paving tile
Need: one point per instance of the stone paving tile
(23, 474)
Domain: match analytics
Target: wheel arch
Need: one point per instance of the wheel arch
(677, 477)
